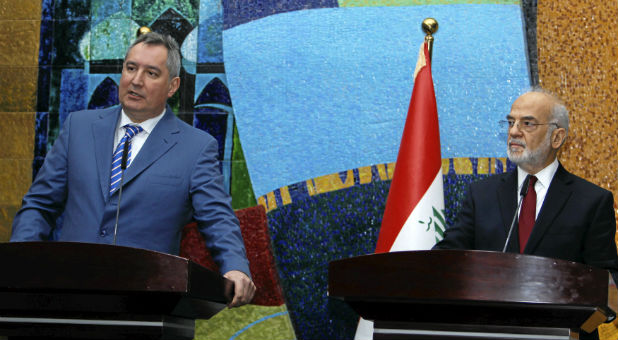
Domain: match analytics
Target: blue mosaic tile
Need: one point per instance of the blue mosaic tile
(40, 134)
(105, 95)
(331, 226)
(53, 129)
(327, 227)
(172, 23)
(214, 121)
(210, 47)
(43, 88)
(72, 9)
(46, 42)
(186, 92)
(236, 12)
(102, 9)
(54, 90)
(188, 50)
(74, 89)
(37, 163)
(215, 92)
(47, 9)
(67, 36)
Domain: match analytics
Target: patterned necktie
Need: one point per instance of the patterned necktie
(527, 215)
(130, 132)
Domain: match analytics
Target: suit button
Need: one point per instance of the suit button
(103, 232)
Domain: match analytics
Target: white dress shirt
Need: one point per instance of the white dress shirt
(138, 140)
(544, 178)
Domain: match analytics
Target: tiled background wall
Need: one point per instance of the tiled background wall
(312, 221)
(19, 52)
(578, 59)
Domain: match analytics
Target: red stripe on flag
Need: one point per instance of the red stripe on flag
(418, 161)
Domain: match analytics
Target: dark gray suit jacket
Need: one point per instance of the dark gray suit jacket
(576, 221)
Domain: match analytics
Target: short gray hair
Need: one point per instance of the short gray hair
(559, 112)
(158, 39)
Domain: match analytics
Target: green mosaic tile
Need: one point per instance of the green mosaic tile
(245, 323)
(145, 12)
(240, 187)
(110, 38)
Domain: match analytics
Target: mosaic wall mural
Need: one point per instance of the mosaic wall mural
(307, 99)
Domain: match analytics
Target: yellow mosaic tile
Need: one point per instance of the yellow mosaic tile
(365, 175)
(578, 45)
(17, 131)
(20, 9)
(285, 195)
(19, 42)
(15, 180)
(462, 166)
(18, 96)
(577, 49)
(7, 213)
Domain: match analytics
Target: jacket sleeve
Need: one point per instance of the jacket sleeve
(214, 214)
(44, 202)
(599, 247)
(461, 234)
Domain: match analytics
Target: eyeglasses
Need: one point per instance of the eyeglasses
(525, 125)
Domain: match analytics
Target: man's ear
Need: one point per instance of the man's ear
(558, 138)
(174, 85)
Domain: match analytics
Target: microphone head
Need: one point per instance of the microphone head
(524, 187)
(125, 155)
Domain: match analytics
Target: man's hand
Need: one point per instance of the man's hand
(244, 289)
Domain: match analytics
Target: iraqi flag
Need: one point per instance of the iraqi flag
(414, 214)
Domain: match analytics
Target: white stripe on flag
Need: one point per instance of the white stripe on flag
(414, 235)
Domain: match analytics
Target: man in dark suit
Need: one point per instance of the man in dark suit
(572, 219)
(569, 217)
(172, 177)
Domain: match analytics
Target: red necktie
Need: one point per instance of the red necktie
(527, 215)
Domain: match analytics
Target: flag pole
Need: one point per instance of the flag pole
(429, 26)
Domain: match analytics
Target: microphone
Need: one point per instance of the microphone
(522, 193)
(123, 167)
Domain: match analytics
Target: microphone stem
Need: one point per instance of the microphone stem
(508, 238)
(118, 206)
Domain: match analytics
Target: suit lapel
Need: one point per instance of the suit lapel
(103, 132)
(161, 140)
(508, 204)
(557, 195)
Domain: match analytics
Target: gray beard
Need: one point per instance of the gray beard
(527, 158)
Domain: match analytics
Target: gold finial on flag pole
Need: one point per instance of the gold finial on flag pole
(430, 26)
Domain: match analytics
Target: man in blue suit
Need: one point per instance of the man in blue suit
(172, 176)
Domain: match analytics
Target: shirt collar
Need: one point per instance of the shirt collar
(544, 176)
(148, 125)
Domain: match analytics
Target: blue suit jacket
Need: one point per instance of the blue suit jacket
(175, 178)
(576, 221)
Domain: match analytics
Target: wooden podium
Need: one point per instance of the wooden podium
(95, 291)
(457, 294)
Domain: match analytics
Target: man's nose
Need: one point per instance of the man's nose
(515, 130)
(138, 78)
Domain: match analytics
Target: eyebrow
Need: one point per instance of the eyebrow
(522, 118)
(149, 67)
